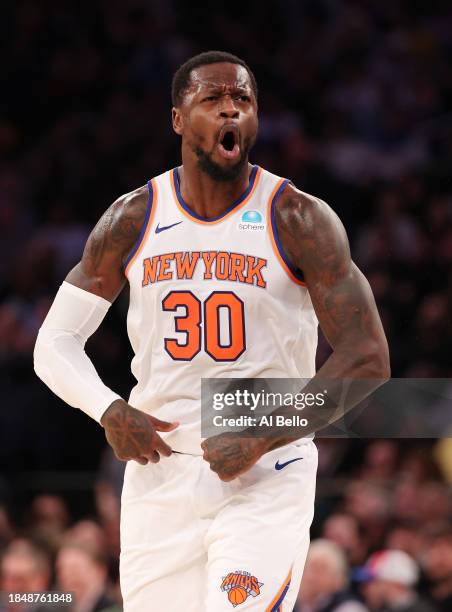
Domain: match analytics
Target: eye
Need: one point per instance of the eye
(245, 98)
(209, 98)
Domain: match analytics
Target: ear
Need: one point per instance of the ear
(178, 122)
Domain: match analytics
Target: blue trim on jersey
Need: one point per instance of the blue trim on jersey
(277, 606)
(143, 229)
(295, 271)
(228, 210)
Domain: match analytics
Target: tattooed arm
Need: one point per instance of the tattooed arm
(315, 241)
(100, 270)
(131, 433)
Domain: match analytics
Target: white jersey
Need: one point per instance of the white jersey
(213, 298)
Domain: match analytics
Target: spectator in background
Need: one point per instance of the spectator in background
(369, 504)
(407, 536)
(437, 564)
(380, 461)
(389, 583)
(48, 519)
(87, 533)
(108, 493)
(24, 568)
(83, 571)
(101, 539)
(344, 530)
(434, 504)
(324, 587)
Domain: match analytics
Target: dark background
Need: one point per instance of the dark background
(355, 105)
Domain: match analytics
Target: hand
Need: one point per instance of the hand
(230, 455)
(132, 434)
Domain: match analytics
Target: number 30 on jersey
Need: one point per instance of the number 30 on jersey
(206, 316)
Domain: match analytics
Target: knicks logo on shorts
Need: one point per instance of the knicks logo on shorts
(238, 585)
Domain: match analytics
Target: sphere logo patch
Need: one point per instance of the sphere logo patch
(251, 220)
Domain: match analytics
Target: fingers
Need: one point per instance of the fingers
(210, 453)
(227, 477)
(153, 456)
(222, 475)
(208, 448)
(162, 446)
(141, 460)
(163, 425)
(156, 448)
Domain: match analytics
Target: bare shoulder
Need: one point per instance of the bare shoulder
(109, 244)
(302, 211)
(311, 232)
(122, 221)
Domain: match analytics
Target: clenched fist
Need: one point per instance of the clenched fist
(230, 455)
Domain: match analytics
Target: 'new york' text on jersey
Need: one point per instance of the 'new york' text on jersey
(210, 299)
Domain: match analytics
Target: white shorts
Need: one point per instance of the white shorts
(194, 543)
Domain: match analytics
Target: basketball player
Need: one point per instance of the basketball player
(230, 269)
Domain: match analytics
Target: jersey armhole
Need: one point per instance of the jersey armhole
(293, 272)
(150, 210)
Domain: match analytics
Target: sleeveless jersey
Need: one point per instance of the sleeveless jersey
(212, 298)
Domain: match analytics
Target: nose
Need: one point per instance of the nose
(228, 109)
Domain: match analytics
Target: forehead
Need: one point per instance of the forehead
(222, 75)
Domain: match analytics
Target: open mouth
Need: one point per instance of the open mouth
(229, 142)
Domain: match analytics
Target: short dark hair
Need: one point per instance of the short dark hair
(181, 78)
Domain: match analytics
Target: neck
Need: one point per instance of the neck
(206, 197)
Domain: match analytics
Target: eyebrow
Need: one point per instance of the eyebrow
(235, 88)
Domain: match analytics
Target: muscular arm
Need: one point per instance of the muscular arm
(315, 241)
(100, 269)
(60, 359)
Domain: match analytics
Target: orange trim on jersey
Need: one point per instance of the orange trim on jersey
(272, 237)
(214, 222)
(274, 601)
(148, 227)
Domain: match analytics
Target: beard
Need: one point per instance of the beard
(218, 173)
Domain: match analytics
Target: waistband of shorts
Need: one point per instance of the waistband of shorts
(184, 445)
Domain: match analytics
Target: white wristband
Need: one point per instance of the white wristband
(59, 356)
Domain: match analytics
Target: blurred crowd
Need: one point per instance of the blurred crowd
(355, 102)
(381, 538)
(382, 534)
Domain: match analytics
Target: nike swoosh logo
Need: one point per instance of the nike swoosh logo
(159, 229)
(280, 466)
